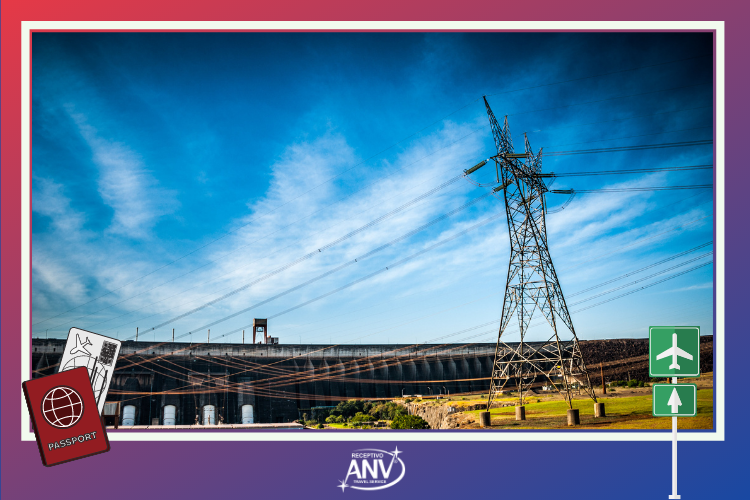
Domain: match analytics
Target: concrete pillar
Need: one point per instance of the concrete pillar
(395, 375)
(437, 374)
(368, 376)
(520, 413)
(488, 363)
(40, 363)
(599, 410)
(464, 373)
(340, 371)
(484, 419)
(424, 372)
(410, 377)
(381, 377)
(309, 385)
(335, 370)
(352, 386)
(321, 383)
(573, 417)
(476, 373)
(299, 384)
(449, 368)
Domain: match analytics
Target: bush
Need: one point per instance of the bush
(387, 411)
(348, 409)
(409, 422)
(361, 417)
(320, 426)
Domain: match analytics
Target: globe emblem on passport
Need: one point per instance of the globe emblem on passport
(62, 407)
(97, 373)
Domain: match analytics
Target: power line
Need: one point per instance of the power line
(560, 175)
(298, 378)
(646, 286)
(354, 261)
(663, 261)
(379, 153)
(287, 266)
(620, 190)
(624, 148)
(349, 285)
(327, 246)
(631, 136)
(479, 326)
(653, 275)
(360, 188)
(245, 246)
(629, 148)
(633, 171)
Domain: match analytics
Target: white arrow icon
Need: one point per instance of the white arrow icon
(674, 401)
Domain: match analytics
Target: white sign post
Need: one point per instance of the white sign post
(675, 405)
(674, 351)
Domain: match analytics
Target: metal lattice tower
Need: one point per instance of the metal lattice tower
(532, 283)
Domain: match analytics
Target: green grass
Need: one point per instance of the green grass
(623, 412)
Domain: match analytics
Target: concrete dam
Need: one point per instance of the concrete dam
(173, 383)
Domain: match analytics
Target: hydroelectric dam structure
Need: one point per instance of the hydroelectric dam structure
(173, 383)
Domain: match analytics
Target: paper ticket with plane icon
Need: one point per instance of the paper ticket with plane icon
(95, 352)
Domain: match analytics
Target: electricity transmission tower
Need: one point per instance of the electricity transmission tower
(532, 283)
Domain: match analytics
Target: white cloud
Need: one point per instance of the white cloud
(54, 278)
(125, 184)
(48, 199)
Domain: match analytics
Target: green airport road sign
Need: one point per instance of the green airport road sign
(675, 400)
(674, 351)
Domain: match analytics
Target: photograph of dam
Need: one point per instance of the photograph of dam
(394, 230)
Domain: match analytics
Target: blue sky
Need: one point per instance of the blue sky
(171, 169)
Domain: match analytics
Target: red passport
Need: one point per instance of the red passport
(65, 416)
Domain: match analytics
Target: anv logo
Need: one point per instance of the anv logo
(372, 469)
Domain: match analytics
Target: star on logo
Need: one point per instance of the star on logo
(343, 485)
(395, 453)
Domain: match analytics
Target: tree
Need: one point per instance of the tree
(409, 422)
(361, 417)
(387, 411)
(348, 409)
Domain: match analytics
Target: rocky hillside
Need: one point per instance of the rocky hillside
(626, 359)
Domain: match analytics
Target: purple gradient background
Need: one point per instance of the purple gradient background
(187, 470)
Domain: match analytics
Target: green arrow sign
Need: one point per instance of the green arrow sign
(674, 351)
(675, 400)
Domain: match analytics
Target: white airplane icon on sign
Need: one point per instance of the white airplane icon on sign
(675, 351)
